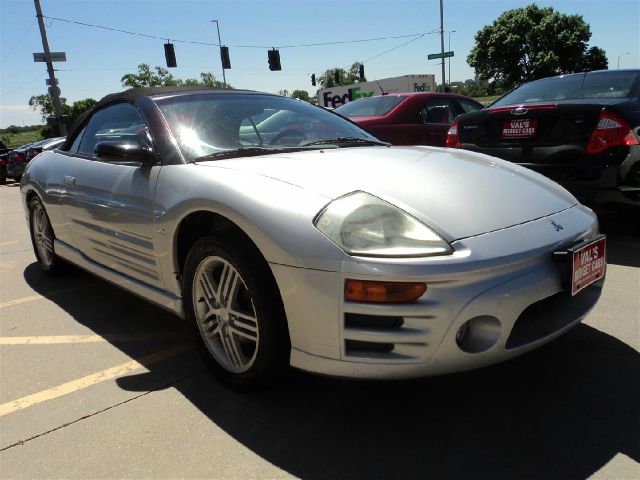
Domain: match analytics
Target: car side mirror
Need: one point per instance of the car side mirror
(124, 151)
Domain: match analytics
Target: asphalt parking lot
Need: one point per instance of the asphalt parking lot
(96, 383)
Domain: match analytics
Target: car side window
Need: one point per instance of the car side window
(76, 142)
(122, 121)
(468, 106)
(437, 110)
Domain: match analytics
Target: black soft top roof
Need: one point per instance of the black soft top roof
(132, 94)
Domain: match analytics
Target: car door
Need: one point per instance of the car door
(436, 115)
(110, 204)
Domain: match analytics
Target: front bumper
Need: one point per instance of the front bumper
(507, 283)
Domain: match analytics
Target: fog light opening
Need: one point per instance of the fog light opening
(478, 334)
(462, 335)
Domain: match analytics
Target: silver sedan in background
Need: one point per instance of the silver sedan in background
(288, 236)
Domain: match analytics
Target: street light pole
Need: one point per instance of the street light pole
(442, 43)
(449, 59)
(224, 78)
(625, 53)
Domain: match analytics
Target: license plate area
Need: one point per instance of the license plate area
(587, 263)
(520, 128)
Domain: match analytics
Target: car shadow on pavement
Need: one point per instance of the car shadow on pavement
(562, 411)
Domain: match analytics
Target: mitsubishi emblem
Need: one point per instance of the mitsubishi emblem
(557, 226)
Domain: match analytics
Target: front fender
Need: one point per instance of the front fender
(275, 215)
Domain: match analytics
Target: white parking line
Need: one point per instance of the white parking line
(89, 380)
(31, 298)
(18, 301)
(115, 338)
(11, 242)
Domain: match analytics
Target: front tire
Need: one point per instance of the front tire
(236, 314)
(42, 238)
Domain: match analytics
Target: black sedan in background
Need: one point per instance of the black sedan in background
(4, 152)
(580, 130)
(17, 159)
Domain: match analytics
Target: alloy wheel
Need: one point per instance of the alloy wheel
(225, 314)
(42, 235)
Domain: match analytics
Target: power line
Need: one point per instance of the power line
(21, 86)
(26, 32)
(165, 37)
(395, 48)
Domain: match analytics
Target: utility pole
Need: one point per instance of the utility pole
(449, 59)
(224, 78)
(54, 89)
(442, 42)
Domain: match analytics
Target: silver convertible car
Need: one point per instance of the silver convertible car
(288, 236)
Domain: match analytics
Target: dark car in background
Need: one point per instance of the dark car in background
(17, 159)
(48, 144)
(580, 130)
(4, 151)
(409, 118)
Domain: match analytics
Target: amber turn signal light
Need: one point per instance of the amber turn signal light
(382, 292)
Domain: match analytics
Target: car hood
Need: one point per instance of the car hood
(456, 192)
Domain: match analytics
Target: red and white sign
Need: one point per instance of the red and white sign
(589, 265)
(523, 128)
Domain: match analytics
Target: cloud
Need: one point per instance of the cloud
(20, 115)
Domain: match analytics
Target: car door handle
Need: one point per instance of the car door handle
(69, 182)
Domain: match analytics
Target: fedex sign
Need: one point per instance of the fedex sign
(330, 99)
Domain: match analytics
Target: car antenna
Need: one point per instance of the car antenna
(380, 87)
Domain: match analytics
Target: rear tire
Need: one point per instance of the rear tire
(42, 239)
(235, 313)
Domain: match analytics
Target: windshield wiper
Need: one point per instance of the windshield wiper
(243, 152)
(342, 141)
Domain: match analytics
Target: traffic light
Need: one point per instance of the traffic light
(170, 55)
(361, 72)
(313, 79)
(224, 56)
(274, 60)
(336, 77)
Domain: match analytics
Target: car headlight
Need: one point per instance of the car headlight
(361, 224)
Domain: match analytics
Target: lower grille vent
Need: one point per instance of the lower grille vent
(376, 322)
(355, 347)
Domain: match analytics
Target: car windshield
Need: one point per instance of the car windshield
(370, 107)
(616, 84)
(218, 125)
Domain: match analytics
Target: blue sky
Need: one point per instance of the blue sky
(97, 59)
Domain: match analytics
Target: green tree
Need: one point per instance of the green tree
(44, 104)
(347, 77)
(528, 43)
(284, 93)
(207, 79)
(160, 77)
(596, 59)
(301, 94)
(79, 107)
(147, 78)
(304, 95)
